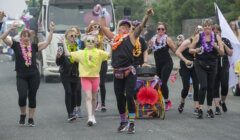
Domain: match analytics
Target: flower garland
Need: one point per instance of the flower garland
(71, 48)
(118, 40)
(26, 52)
(207, 47)
(137, 50)
(161, 43)
(90, 59)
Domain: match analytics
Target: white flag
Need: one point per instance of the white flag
(228, 33)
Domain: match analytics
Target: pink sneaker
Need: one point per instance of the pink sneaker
(168, 105)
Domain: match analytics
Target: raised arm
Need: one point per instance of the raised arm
(105, 29)
(44, 44)
(4, 37)
(139, 29)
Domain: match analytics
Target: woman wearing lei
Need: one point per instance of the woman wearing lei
(160, 44)
(208, 46)
(28, 77)
(89, 61)
(69, 74)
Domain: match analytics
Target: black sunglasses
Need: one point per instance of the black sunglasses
(162, 29)
(96, 27)
(73, 36)
(90, 41)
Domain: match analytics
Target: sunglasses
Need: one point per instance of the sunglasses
(162, 29)
(91, 41)
(96, 26)
(73, 36)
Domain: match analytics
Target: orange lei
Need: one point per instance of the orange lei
(118, 40)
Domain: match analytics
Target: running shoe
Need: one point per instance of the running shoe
(103, 109)
(31, 122)
(180, 107)
(223, 105)
(210, 113)
(71, 117)
(195, 112)
(218, 111)
(77, 113)
(131, 128)
(123, 127)
(22, 120)
(200, 114)
(168, 105)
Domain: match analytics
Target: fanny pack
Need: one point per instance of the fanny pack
(121, 73)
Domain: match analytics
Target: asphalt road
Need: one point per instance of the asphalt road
(51, 117)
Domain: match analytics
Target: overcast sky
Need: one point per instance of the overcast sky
(13, 8)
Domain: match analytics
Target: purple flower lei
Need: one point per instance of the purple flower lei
(206, 47)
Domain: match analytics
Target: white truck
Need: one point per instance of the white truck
(65, 14)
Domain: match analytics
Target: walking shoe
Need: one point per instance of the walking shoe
(223, 105)
(89, 123)
(195, 112)
(103, 109)
(122, 127)
(180, 107)
(168, 105)
(210, 113)
(71, 117)
(77, 113)
(200, 114)
(22, 120)
(131, 128)
(93, 119)
(31, 122)
(218, 111)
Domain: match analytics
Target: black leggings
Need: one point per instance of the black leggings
(125, 90)
(27, 86)
(163, 72)
(103, 75)
(206, 77)
(185, 74)
(70, 86)
(78, 95)
(222, 78)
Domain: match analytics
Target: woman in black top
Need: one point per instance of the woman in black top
(123, 52)
(160, 44)
(187, 71)
(69, 73)
(28, 77)
(222, 77)
(207, 49)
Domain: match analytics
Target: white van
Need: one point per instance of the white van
(65, 14)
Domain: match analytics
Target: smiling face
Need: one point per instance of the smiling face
(161, 29)
(71, 36)
(90, 41)
(25, 36)
(207, 26)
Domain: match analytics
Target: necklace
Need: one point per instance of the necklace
(137, 48)
(90, 57)
(208, 47)
(26, 52)
(118, 40)
(161, 43)
(71, 48)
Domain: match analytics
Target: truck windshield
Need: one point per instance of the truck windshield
(66, 16)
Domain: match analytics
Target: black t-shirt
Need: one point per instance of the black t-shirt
(123, 55)
(20, 66)
(207, 56)
(162, 55)
(139, 60)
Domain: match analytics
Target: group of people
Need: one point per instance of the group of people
(203, 60)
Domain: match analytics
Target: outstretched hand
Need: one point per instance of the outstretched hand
(52, 26)
(150, 12)
(2, 15)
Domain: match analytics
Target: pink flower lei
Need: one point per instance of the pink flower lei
(206, 47)
(26, 53)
